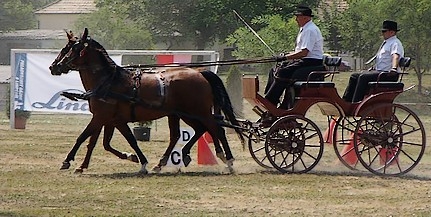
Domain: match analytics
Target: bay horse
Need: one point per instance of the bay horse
(118, 96)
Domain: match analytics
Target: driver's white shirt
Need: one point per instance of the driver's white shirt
(310, 38)
(391, 46)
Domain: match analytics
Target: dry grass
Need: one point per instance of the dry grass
(33, 185)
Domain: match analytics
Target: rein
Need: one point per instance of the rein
(203, 64)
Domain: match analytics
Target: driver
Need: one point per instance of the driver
(308, 52)
(387, 59)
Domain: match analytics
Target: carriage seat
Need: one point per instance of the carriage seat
(331, 65)
(314, 77)
(382, 86)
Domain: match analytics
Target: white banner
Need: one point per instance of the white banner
(37, 90)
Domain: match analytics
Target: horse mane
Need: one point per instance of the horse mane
(119, 73)
(103, 52)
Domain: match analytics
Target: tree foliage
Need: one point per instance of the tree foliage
(16, 15)
(276, 33)
(115, 30)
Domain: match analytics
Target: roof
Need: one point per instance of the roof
(34, 34)
(69, 7)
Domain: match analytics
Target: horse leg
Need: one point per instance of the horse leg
(221, 134)
(88, 131)
(174, 135)
(199, 129)
(229, 157)
(186, 149)
(90, 148)
(218, 133)
(128, 135)
(107, 136)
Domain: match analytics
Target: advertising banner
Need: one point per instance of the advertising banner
(39, 91)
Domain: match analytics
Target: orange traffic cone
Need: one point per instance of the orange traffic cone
(387, 154)
(348, 153)
(329, 133)
(205, 155)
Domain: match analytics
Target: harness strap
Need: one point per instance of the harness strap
(136, 85)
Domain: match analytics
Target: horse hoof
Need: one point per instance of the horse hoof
(229, 164)
(187, 159)
(221, 156)
(157, 169)
(143, 169)
(65, 166)
(79, 171)
(131, 157)
(163, 161)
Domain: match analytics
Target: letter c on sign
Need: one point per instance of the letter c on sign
(175, 157)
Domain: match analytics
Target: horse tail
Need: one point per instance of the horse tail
(222, 100)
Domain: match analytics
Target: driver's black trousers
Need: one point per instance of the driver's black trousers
(275, 87)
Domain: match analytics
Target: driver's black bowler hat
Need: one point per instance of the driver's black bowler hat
(303, 11)
(390, 25)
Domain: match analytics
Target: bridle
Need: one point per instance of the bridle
(72, 50)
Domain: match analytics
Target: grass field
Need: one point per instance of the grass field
(33, 185)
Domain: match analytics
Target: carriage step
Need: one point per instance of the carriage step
(258, 110)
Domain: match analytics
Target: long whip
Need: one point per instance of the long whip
(254, 32)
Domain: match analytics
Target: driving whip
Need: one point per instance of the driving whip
(254, 32)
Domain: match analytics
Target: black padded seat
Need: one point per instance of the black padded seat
(332, 61)
(301, 84)
(302, 73)
(386, 84)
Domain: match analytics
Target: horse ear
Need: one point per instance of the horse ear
(70, 35)
(84, 35)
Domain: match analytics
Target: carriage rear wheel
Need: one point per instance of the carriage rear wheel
(294, 144)
(389, 140)
(256, 146)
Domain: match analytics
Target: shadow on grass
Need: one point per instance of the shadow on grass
(267, 172)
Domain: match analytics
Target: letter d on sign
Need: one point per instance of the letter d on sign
(186, 133)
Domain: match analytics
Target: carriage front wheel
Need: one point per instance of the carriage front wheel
(256, 146)
(389, 139)
(294, 144)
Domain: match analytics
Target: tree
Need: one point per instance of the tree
(277, 33)
(16, 15)
(112, 28)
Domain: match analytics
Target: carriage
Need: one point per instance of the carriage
(385, 137)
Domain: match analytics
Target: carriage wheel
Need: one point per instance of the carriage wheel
(256, 146)
(343, 141)
(294, 144)
(389, 140)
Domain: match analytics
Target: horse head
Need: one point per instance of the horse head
(74, 49)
